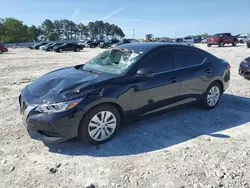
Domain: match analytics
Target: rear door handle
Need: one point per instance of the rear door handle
(174, 79)
(208, 71)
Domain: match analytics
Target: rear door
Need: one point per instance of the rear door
(194, 71)
(162, 89)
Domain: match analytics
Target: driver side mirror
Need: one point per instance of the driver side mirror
(144, 72)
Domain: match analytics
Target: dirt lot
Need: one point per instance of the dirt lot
(187, 147)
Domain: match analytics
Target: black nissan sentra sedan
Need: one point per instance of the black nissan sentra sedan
(119, 85)
(244, 69)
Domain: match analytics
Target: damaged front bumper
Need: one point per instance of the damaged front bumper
(49, 128)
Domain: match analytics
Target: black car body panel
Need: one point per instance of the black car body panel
(52, 46)
(133, 96)
(68, 47)
(36, 46)
(109, 43)
(244, 69)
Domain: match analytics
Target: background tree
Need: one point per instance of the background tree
(13, 30)
(32, 33)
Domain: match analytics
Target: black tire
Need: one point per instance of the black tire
(248, 45)
(61, 50)
(221, 44)
(84, 125)
(1, 52)
(241, 41)
(205, 100)
(234, 43)
(50, 49)
(78, 49)
(209, 45)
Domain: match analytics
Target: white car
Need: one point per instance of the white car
(187, 41)
(243, 38)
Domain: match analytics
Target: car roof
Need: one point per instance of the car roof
(149, 45)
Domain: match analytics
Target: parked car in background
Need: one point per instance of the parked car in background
(221, 39)
(52, 46)
(36, 46)
(124, 41)
(95, 43)
(120, 85)
(244, 69)
(188, 42)
(86, 43)
(108, 43)
(197, 40)
(69, 47)
(3, 48)
(204, 41)
(243, 38)
(248, 42)
(44, 46)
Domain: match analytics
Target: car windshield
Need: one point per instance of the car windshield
(115, 61)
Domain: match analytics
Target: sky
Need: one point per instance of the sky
(162, 18)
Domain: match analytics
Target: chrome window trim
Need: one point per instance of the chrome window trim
(182, 67)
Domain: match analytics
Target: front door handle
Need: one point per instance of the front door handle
(174, 79)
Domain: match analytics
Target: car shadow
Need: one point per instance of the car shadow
(166, 129)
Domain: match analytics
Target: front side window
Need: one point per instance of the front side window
(189, 57)
(159, 61)
(115, 61)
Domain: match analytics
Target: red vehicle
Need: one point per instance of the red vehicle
(3, 49)
(221, 39)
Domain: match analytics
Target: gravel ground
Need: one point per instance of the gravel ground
(185, 147)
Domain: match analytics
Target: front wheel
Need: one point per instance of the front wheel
(1, 51)
(100, 124)
(248, 45)
(61, 50)
(209, 45)
(212, 96)
(78, 49)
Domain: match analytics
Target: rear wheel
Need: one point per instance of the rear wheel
(51, 49)
(78, 49)
(234, 43)
(61, 50)
(248, 45)
(212, 96)
(100, 124)
(209, 45)
(221, 44)
(1, 51)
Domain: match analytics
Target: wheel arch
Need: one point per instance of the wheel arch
(116, 105)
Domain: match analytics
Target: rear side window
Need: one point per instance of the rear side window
(189, 57)
(188, 38)
(159, 61)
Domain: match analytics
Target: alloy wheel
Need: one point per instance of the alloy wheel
(213, 96)
(102, 125)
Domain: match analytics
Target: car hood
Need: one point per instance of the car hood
(64, 84)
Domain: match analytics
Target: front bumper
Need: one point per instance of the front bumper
(49, 128)
(244, 71)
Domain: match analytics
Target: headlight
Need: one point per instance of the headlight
(57, 107)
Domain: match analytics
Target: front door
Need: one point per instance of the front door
(157, 92)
